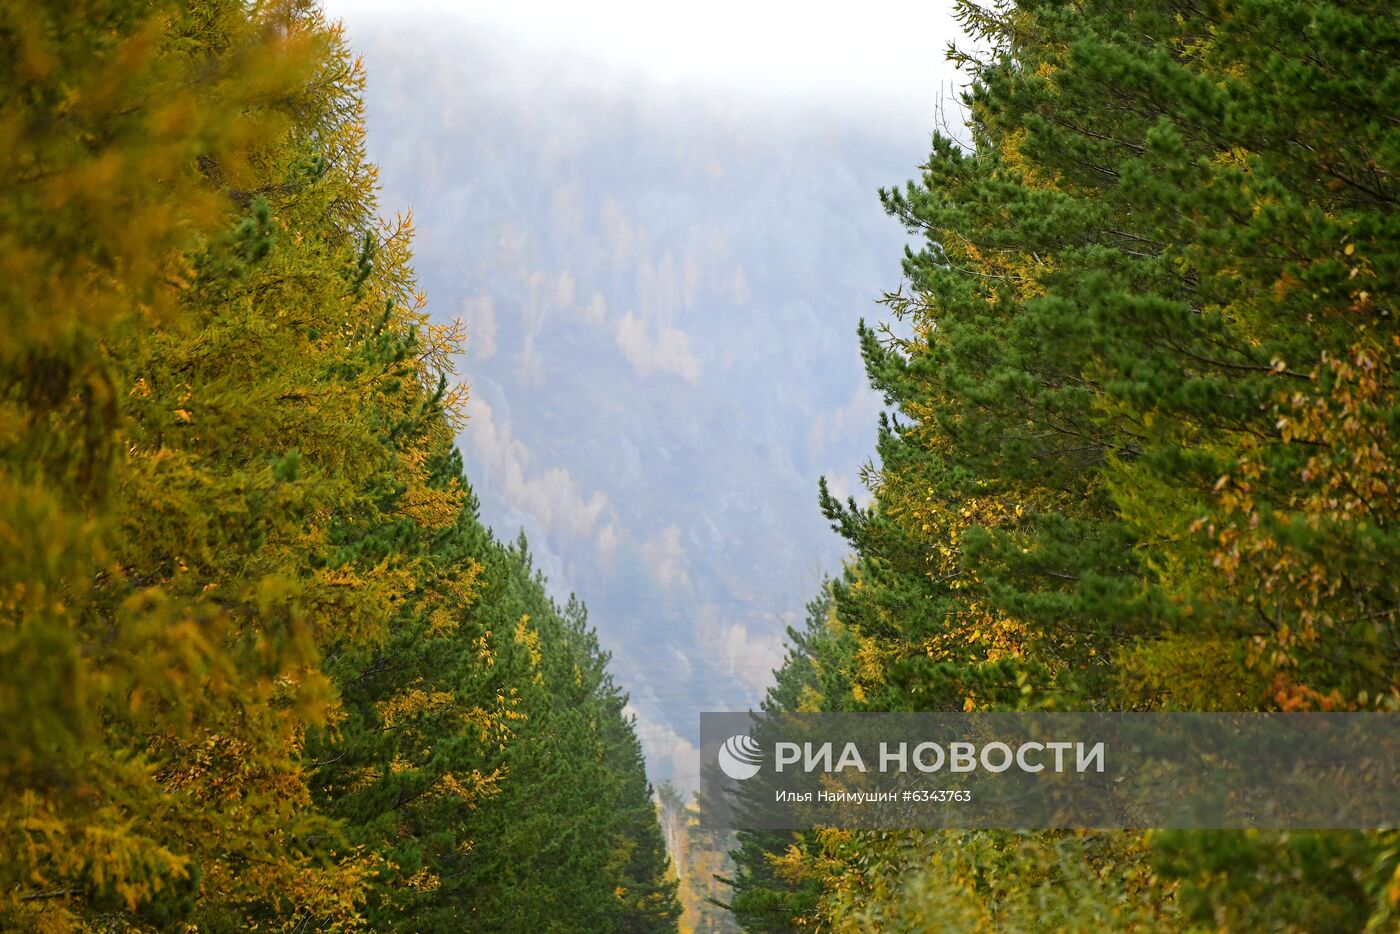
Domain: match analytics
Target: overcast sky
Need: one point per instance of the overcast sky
(660, 224)
(884, 52)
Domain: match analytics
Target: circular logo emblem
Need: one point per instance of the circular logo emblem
(740, 757)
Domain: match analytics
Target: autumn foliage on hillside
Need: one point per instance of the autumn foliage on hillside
(1142, 454)
(261, 665)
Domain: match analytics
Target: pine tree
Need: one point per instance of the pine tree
(1140, 455)
(774, 888)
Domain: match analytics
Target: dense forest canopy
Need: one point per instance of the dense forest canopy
(261, 664)
(1141, 454)
(264, 667)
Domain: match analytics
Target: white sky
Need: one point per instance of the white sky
(889, 48)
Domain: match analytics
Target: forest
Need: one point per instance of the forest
(1140, 455)
(264, 666)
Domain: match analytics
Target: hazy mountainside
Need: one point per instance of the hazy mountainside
(661, 286)
(702, 864)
